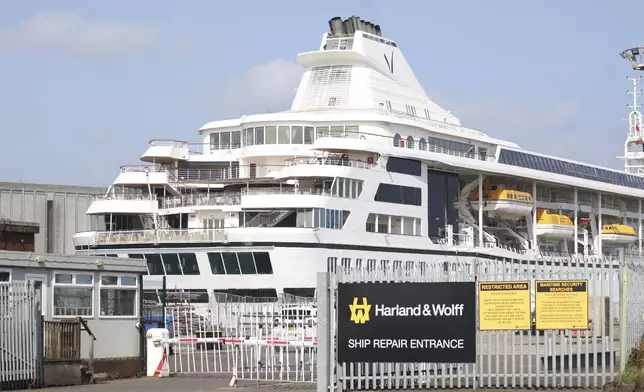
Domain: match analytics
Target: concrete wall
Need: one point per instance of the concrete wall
(59, 209)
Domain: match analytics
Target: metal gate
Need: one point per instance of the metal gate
(270, 339)
(20, 336)
(504, 359)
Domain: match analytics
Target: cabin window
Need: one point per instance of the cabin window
(259, 135)
(404, 166)
(118, 295)
(390, 193)
(189, 264)
(271, 135)
(73, 294)
(283, 134)
(155, 267)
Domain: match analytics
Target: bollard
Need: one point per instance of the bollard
(157, 351)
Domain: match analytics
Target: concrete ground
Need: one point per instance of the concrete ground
(183, 384)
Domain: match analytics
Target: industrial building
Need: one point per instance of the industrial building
(58, 209)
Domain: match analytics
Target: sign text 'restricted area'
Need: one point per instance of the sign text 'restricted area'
(407, 322)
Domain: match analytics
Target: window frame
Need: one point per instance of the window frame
(7, 270)
(73, 285)
(119, 286)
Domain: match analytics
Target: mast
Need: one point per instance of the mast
(634, 144)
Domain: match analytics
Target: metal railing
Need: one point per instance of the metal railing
(221, 199)
(124, 196)
(168, 143)
(555, 199)
(284, 191)
(329, 161)
(143, 169)
(160, 236)
(235, 172)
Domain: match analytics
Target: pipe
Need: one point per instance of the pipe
(378, 32)
(347, 27)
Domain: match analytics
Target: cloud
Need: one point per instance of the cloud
(70, 33)
(269, 86)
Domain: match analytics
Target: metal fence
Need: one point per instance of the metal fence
(20, 336)
(504, 359)
(246, 339)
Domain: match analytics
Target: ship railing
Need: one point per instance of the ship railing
(555, 199)
(160, 236)
(143, 169)
(125, 196)
(227, 173)
(330, 161)
(200, 148)
(285, 191)
(222, 199)
(168, 143)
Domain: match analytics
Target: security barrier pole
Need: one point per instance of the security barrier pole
(324, 332)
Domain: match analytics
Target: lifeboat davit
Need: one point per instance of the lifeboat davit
(616, 234)
(503, 203)
(554, 226)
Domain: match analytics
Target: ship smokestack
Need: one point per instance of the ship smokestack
(336, 26)
(378, 32)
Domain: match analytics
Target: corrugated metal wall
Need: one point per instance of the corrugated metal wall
(59, 209)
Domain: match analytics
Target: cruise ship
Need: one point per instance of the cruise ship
(364, 169)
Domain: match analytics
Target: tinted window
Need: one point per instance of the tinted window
(112, 255)
(171, 264)
(189, 263)
(404, 166)
(390, 193)
(246, 263)
(135, 256)
(230, 262)
(263, 262)
(154, 264)
(216, 263)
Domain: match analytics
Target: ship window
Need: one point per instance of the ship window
(259, 135)
(189, 263)
(337, 131)
(250, 137)
(309, 135)
(236, 139)
(422, 144)
(214, 141)
(398, 194)
(261, 294)
(271, 135)
(263, 262)
(283, 134)
(410, 142)
(396, 140)
(135, 256)
(322, 132)
(224, 140)
(296, 135)
(230, 262)
(155, 267)
(404, 166)
(171, 264)
(246, 263)
(216, 263)
(300, 291)
(111, 255)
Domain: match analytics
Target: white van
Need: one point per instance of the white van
(296, 322)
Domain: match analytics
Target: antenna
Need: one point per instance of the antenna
(634, 144)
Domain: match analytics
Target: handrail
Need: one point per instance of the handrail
(84, 324)
(143, 169)
(125, 196)
(329, 161)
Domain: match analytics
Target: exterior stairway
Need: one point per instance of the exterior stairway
(268, 219)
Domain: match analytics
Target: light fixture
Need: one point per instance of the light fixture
(40, 259)
(99, 263)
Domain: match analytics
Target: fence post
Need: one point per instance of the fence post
(325, 342)
(622, 337)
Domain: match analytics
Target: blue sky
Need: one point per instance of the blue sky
(85, 85)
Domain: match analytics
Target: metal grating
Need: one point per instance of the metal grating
(328, 86)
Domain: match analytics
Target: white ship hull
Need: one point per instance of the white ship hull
(618, 240)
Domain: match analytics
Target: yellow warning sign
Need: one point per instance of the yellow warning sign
(561, 304)
(504, 306)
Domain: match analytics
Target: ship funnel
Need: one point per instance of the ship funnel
(336, 26)
(352, 24)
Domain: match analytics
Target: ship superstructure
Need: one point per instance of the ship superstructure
(363, 169)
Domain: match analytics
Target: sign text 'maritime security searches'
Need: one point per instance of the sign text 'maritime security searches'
(407, 322)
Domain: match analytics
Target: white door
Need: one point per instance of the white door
(40, 283)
